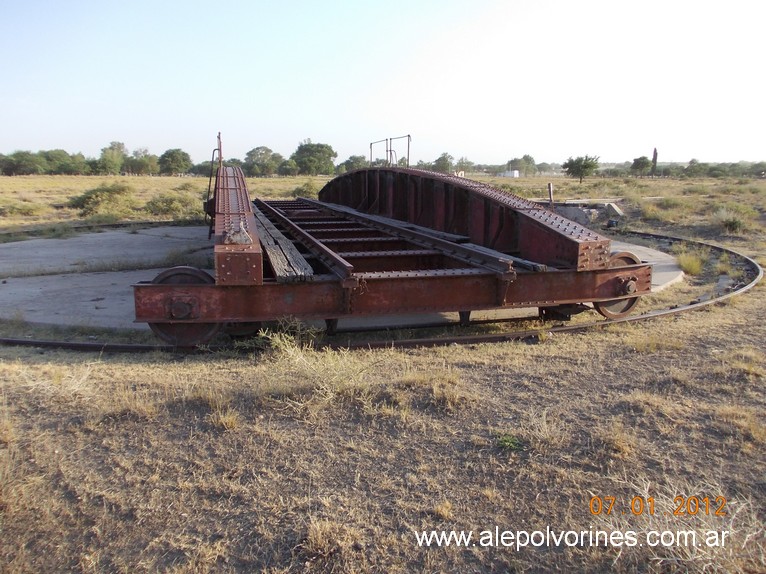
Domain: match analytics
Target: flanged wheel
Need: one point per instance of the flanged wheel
(243, 330)
(617, 308)
(185, 334)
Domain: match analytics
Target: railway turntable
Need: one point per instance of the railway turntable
(385, 241)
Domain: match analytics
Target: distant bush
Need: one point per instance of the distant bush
(670, 203)
(111, 201)
(308, 189)
(187, 186)
(651, 211)
(731, 219)
(22, 209)
(697, 189)
(175, 204)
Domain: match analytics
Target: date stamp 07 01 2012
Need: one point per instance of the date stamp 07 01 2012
(640, 505)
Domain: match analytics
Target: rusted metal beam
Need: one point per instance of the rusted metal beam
(489, 217)
(237, 251)
(380, 293)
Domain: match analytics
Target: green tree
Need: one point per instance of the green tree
(352, 163)
(525, 165)
(288, 167)
(757, 169)
(141, 162)
(544, 168)
(202, 168)
(24, 163)
(175, 161)
(581, 166)
(78, 165)
(464, 164)
(696, 169)
(57, 161)
(112, 158)
(640, 165)
(261, 161)
(671, 170)
(443, 164)
(515, 164)
(530, 167)
(313, 159)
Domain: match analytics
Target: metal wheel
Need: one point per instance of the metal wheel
(243, 330)
(185, 334)
(617, 308)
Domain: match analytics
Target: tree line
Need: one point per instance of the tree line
(319, 159)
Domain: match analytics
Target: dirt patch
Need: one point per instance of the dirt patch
(299, 460)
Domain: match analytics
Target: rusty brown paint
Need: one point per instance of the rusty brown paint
(385, 241)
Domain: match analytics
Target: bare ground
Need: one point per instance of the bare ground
(298, 460)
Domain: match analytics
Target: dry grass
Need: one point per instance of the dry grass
(295, 459)
(742, 551)
(691, 263)
(48, 205)
(304, 460)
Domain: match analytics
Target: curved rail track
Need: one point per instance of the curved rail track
(753, 274)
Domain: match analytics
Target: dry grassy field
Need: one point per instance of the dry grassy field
(302, 460)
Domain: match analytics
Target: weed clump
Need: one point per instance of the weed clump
(308, 189)
(107, 201)
(509, 442)
(733, 217)
(175, 204)
(22, 209)
(691, 262)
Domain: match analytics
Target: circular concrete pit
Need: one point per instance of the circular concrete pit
(69, 281)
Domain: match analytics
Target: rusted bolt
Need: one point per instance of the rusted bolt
(629, 287)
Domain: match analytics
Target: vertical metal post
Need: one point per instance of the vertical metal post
(377, 142)
(550, 195)
(220, 151)
(409, 139)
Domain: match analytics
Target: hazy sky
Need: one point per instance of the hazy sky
(486, 79)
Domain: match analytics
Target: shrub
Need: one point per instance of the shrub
(697, 189)
(691, 262)
(728, 222)
(175, 204)
(734, 217)
(186, 186)
(115, 200)
(308, 189)
(22, 209)
(669, 203)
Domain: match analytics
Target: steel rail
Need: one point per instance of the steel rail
(342, 268)
(756, 272)
(478, 257)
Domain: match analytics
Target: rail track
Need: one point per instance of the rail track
(752, 274)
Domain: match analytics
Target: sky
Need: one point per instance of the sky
(488, 80)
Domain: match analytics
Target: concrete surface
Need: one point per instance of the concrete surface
(96, 251)
(105, 298)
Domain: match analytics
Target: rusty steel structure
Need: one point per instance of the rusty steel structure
(385, 241)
